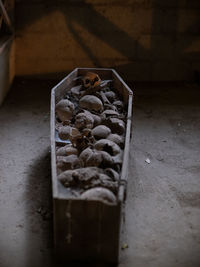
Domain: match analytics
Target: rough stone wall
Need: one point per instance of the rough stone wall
(145, 40)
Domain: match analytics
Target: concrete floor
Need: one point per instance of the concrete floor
(162, 225)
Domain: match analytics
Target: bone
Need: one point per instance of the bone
(85, 154)
(117, 139)
(97, 119)
(101, 194)
(76, 90)
(108, 146)
(99, 158)
(87, 178)
(88, 175)
(119, 105)
(91, 80)
(96, 158)
(107, 159)
(113, 174)
(111, 96)
(81, 176)
(91, 91)
(69, 133)
(91, 102)
(66, 151)
(101, 131)
(86, 132)
(117, 160)
(68, 178)
(110, 107)
(93, 125)
(116, 125)
(107, 183)
(84, 120)
(68, 163)
(105, 83)
(110, 113)
(104, 98)
(65, 110)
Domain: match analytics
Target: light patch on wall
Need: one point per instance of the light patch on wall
(93, 46)
(50, 22)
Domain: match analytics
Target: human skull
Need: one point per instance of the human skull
(101, 131)
(117, 139)
(65, 109)
(66, 150)
(69, 133)
(91, 102)
(108, 146)
(101, 194)
(91, 80)
(96, 158)
(84, 120)
(68, 163)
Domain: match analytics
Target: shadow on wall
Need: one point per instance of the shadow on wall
(168, 52)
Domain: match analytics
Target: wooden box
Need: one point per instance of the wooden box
(88, 230)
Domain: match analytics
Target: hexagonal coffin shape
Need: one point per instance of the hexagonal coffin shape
(88, 229)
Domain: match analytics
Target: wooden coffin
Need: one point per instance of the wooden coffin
(88, 230)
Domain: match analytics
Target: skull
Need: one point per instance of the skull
(91, 102)
(91, 80)
(101, 194)
(84, 120)
(101, 131)
(69, 133)
(95, 158)
(68, 163)
(65, 109)
(108, 146)
(66, 151)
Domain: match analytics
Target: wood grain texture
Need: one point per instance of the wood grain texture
(86, 230)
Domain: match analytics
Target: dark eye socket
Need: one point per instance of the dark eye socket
(87, 81)
(95, 80)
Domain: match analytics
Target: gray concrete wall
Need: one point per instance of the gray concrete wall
(7, 66)
(142, 39)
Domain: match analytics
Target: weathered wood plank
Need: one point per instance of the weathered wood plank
(88, 230)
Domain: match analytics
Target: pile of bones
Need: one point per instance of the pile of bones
(90, 127)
